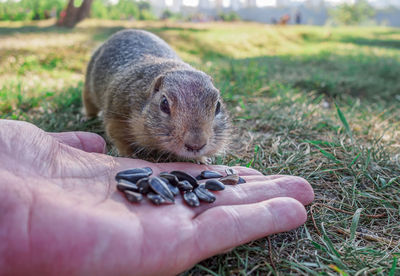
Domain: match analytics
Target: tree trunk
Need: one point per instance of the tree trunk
(72, 15)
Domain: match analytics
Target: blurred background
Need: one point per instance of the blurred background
(311, 12)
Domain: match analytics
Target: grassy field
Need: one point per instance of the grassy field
(321, 103)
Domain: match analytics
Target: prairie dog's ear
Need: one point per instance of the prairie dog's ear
(158, 83)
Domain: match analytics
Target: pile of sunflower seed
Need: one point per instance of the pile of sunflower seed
(138, 183)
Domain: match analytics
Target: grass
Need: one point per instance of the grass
(321, 103)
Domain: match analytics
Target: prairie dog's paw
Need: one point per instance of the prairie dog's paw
(87, 117)
(204, 160)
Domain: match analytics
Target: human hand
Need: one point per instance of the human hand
(61, 213)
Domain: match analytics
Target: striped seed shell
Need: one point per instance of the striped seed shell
(204, 194)
(134, 175)
(191, 199)
(185, 176)
(156, 199)
(133, 196)
(184, 186)
(143, 185)
(173, 180)
(172, 188)
(124, 185)
(210, 174)
(214, 185)
(161, 188)
(230, 171)
(231, 179)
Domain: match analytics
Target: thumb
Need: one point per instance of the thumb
(86, 141)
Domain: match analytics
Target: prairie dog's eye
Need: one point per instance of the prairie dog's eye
(164, 105)
(218, 108)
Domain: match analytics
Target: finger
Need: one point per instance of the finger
(253, 192)
(86, 141)
(221, 228)
(254, 178)
(280, 185)
(260, 178)
(246, 171)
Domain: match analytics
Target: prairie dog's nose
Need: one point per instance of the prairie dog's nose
(195, 140)
(194, 147)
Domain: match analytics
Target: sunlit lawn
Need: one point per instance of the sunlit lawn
(281, 85)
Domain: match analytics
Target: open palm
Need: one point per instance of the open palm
(61, 213)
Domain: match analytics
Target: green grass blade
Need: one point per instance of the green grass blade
(324, 152)
(328, 241)
(344, 121)
(392, 271)
(354, 224)
(207, 270)
(391, 181)
(256, 149)
(355, 159)
(329, 155)
(303, 268)
(338, 270)
(318, 246)
(319, 142)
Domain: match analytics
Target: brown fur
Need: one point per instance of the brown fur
(127, 78)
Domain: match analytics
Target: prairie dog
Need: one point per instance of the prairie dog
(152, 101)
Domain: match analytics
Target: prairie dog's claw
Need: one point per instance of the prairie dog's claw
(204, 160)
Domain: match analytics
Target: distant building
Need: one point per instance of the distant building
(251, 3)
(204, 4)
(385, 3)
(312, 12)
(315, 3)
(176, 5)
(158, 3)
(235, 5)
(283, 3)
(219, 4)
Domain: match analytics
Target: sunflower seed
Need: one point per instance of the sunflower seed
(210, 174)
(191, 199)
(230, 171)
(185, 176)
(184, 185)
(173, 180)
(204, 194)
(161, 188)
(124, 185)
(133, 196)
(214, 185)
(136, 182)
(155, 198)
(145, 170)
(134, 175)
(143, 185)
(173, 189)
(231, 179)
